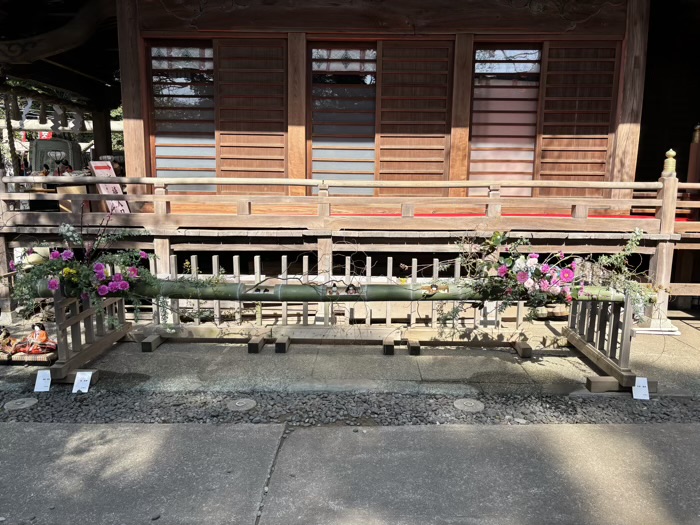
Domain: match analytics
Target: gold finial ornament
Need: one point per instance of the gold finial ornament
(696, 134)
(669, 164)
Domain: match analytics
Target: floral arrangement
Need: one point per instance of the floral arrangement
(80, 268)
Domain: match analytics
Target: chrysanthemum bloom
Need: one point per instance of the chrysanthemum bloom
(502, 270)
(118, 277)
(53, 284)
(531, 262)
(143, 255)
(544, 285)
(529, 284)
(102, 290)
(133, 272)
(544, 268)
(13, 266)
(521, 277)
(123, 286)
(567, 275)
(534, 256)
(113, 286)
(99, 267)
(54, 255)
(67, 255)
(100, 276)
(555, 289)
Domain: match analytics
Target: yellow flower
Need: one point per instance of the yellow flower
(67, 272)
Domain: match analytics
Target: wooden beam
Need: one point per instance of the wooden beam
(102, 132)
(296, 113)
(130, 50)
(69, 36)
(631, 95)
(461, 110)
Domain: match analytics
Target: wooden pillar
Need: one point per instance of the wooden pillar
(161, 247)
(630, 96)
(7, 305)
(694, 158)
(102, 132)
(133, 89)
(296, 110)
(461, 110)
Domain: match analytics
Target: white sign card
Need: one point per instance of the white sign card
(103, 168)
(43, 381)
(82, 382)
(640, 390)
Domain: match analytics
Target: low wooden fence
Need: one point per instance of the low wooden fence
(84, 331)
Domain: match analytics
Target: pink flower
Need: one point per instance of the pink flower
(67, 255)
(118, 277)
(113, 286)
(133, 272)
(54, 255)
(100, 276)
(99, 267)
(13, 266)
(521, 277)
(573, 265)
(566, 290)
(555, 289)
(530, 284)
(143, 254)
(102, 290)
(53, 284)
(502, 270)
(544, 268)
(567, 275)
(123, 286)
(544, 285)
(561, 255)
(534, 256)
(569, 298)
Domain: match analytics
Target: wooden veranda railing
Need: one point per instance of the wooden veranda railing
(158, 208)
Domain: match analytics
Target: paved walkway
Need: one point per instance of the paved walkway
(446, 475)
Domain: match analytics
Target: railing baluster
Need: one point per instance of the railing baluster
(592, 318)
(194, 269)
(155, 309)
(258, 277)
(389, 278)
(216, 272)
(237, 280)
(121, 311)
(88, 325)
(626, 338)
(458, 269)
(305, 280)
(284, 280)
(414, 284)
(368, 280)
(582, 318)
(349, 309)
(613, 338)
(573, 315)
(433, 304)
(174, 303)
(603, 320)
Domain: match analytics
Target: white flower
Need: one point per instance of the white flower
(529, 284)
(531, 262)
(556, 290)
(519, 265)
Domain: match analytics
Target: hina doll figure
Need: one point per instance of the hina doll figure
(37, 342)
(7, 343)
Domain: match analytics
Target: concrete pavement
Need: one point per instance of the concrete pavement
(444, 475)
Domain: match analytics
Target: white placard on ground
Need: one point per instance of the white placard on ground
(82, 382)
(640, 390)
(43, 381)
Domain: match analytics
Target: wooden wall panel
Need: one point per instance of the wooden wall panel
(251, 112)
(577, 114)
(415, 99)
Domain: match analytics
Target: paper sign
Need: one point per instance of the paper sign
(82, 382)
(640, 390)
(103, 168)
(43, 381)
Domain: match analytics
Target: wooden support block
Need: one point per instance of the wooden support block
(523, 349)
(579, 211)
(600, 384)
(151, 343)
(413, 347)
(388, 345)
(256, 344)
(281, 345)
(70, 378)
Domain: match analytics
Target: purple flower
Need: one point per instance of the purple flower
(123, 286)
(99, 267)
(100, 276)
(534, 256)
(102, 290)
(133, 272)
(544, 268)
(567, 275)
(143, 254)
(522, 277)
(53, 284)
(54, 255)
(85, 296)
(502, 270)
(113, 286)
(118, 277)
(13, 266)
(67, 255)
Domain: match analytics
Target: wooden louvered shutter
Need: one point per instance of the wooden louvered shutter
(414, 94)
(575, 128)
(251, 86)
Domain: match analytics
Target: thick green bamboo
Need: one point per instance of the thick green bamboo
(321, 293)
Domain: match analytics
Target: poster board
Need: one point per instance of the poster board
(103, 168)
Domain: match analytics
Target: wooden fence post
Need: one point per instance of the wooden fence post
(662, 260)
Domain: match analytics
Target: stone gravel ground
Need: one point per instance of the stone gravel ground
(121, 406)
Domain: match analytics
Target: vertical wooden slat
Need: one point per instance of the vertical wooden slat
(237, 280)
(389, 278)
(368, 280)
(155, 309)
(216, 271)
(457, 271)
(434, 304)
(414, 284)
(174, 303)
(592, 318)
(573, 314)
(88, 323)
(461, 104)
(61, 334)
(626, 336)
(305, 280)
(296, 113)
(540, 115)
(194, 267)
(603, 320)
(283, 276)
(614, 334)
(258, 276)
(75, 331)
(349, 310)
(121, 312)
